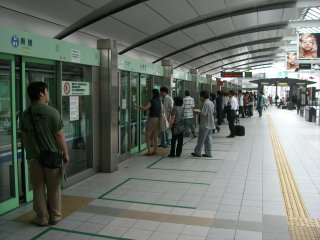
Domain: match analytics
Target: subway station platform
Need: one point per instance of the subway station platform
(265, 185)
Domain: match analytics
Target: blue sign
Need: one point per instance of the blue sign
(15, 41)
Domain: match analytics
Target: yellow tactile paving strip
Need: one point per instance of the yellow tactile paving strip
(70, 204)
(301, 226)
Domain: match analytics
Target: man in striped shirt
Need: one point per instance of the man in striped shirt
(188, 105)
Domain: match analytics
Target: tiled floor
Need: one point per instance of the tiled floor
(233, 195)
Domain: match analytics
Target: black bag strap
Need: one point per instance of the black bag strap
(34, 127)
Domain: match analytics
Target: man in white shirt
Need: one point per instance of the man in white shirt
(206, 127)
(188, 117)
(232, 113)
(167, 105)
(241, 109)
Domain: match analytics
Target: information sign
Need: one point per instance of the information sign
(74, 108)
(75, 88)
(231, 74)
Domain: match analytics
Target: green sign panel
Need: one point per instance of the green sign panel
(134, 65)
(28, 44)
(248, 74)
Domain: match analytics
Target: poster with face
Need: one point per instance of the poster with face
(308, 45)
(292, 61)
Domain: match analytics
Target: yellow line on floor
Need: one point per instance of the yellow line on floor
(301, 225)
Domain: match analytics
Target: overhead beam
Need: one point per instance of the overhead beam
(266, 40)
(102, 12)
(265, 60)
(304, 23)
(258, 65)
(240, 54)
(241, 60)
(259, 28)
(217, 15)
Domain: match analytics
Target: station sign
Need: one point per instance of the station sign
(248, 74)
(232, 74)
(70, 88)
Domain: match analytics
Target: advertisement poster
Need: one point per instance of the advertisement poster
(292, 61)
(309, 45)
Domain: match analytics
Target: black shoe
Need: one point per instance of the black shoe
(195, 155)
(160, 146)
(171, 156)
(177, 156)
(230, 136)
(206, 155)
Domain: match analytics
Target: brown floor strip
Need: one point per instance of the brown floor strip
(152, 216)
(70, 204)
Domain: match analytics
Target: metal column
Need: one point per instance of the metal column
(194, 86)
(109, 106)
(210, 82)
(167, 75)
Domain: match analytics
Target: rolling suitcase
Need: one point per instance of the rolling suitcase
(239, 129)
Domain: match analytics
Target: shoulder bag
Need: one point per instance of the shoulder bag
(164, 124)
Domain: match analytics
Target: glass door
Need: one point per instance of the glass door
(32, 70)
(179, 88)
(187, 86)
(145, 93)
(9, 187)
(134, 113)
(76, 116)
(124, 113)
(157, 82)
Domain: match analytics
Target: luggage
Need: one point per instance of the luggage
(239, 130)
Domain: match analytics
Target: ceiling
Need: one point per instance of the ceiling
(208, 35)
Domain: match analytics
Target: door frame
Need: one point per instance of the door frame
(13, 202)
(134, 150)
(29, 193)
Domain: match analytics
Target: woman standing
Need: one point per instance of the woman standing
(153, 121)
(177, 127)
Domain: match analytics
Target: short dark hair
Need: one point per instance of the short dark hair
(187, 92)
(164, 89)
(204, 94)
(178, 101)
(155, 93)
(231, 92)
(35, 88)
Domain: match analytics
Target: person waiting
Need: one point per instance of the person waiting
(177, 128)
(153, 121)
(188, 115)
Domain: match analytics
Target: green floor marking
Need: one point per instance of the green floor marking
(77, 232)
(140, 202)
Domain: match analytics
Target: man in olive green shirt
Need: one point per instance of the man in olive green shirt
(48, 124)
